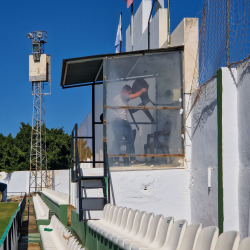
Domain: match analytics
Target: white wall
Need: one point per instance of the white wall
(204, 155)
(235, 154)
(19, 181)
(186, 33)
(243, 80)
(158, 28)
(230, 156)
(62, 181)
(164, 192)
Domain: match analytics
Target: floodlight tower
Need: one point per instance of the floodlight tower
(39, 75)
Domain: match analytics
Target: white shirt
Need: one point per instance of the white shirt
(121, 100)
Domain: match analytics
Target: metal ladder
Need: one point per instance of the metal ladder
(88, 202)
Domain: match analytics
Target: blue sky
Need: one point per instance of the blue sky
(75, 28)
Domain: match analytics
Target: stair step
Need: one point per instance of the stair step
(92, 177)
(92, 209)
(88, 198)
(93, 187)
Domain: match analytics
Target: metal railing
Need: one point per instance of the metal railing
(9, 239)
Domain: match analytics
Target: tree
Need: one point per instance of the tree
(8, 161)
(58, 149)
(15, 152)
(22, 142)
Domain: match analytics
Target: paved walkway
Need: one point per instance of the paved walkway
(29, 238)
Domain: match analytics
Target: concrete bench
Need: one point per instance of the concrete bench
(41, 211)
(57, 236)
(57, 202)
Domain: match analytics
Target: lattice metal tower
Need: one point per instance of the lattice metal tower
(39, 75)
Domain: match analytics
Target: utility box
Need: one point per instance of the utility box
(39, 71)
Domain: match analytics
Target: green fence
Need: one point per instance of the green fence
(9, 239)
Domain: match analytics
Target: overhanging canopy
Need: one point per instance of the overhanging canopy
(83, 71)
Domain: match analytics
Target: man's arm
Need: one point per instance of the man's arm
(137, 94)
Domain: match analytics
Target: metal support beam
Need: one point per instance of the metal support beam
(149, 23)
(39, 177)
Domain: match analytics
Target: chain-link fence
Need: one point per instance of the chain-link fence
(224, 41)
(239, 31)
(224, 36)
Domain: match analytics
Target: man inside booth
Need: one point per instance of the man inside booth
(120, 124)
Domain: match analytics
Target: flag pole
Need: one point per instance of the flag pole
(121, 35)
(132, 25)
(169, 37)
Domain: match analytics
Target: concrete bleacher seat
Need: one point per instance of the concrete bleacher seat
(207, 238)
(57, 202)
(228, 241)
(245, 244)
(57, 197)
(41, 211)
(58, 238)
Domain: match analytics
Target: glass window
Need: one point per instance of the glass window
(143, 109)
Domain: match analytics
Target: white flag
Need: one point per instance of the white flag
(118, 39)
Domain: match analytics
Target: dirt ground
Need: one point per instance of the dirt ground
(28, 230)
(69, 214)
(15, 199)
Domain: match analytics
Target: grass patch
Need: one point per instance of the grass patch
(7, 210)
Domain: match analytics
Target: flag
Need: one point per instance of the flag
(129, 2)
(118, 40)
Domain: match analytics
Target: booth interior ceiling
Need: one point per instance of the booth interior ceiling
(143, 109)
(224, 41)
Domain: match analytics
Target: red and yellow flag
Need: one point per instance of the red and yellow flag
(129, 2)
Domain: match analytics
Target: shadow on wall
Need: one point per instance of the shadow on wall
(8, 177)
(243, 74)
(204, 106)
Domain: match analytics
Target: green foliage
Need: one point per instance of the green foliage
(15, 152)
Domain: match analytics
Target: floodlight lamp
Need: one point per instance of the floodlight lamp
(29, 35)
(39, 34)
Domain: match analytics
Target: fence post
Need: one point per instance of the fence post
(228, 33)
